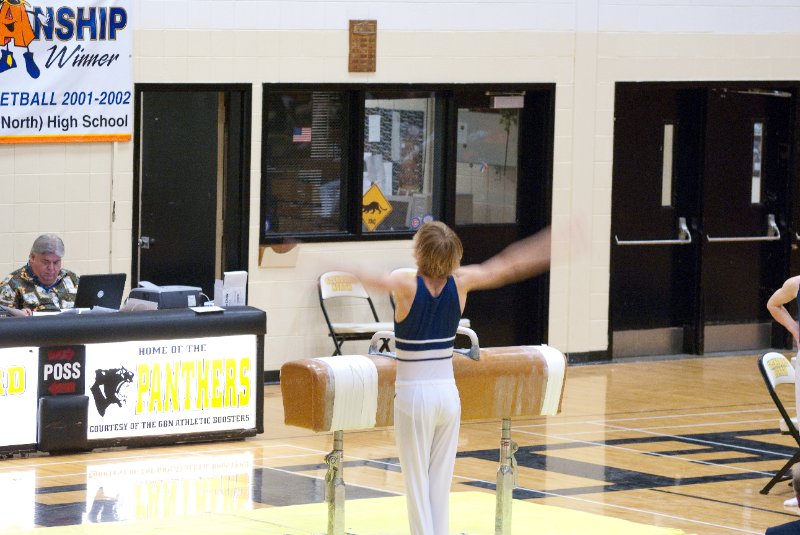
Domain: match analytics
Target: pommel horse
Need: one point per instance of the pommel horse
(349, 392)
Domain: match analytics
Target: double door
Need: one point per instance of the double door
(702, 229)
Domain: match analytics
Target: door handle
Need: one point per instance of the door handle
(145, 242)
(684, 237)
(773, 234)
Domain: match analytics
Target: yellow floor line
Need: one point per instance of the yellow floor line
(471, 513)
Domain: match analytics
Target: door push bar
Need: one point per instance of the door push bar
(773, 233)
(684, 237)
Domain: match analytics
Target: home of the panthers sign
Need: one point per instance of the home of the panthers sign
(167, 387)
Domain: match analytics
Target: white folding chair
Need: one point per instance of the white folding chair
(346, 288)
(777, 370)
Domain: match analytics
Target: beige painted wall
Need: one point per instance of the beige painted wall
(84, 191)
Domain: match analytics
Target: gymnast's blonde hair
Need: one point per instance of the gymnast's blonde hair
(437, 249)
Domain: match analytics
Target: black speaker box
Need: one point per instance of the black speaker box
(63, 423)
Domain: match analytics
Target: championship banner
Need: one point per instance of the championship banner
(66, 71)
(168, 387)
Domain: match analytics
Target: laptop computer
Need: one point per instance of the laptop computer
(104, 290)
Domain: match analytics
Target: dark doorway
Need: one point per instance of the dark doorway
(503, 193)
(745, 189)
(191, 187)
(700, 201)
(657, 146)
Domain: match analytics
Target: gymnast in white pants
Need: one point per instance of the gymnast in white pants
(427, 409)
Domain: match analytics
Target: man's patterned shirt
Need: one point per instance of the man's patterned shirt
(21, 289)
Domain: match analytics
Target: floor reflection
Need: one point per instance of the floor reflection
(104, 507)
(691, 455)
(155, 488)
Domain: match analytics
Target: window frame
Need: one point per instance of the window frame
(443, 193)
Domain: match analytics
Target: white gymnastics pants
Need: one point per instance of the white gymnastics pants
(427, 416)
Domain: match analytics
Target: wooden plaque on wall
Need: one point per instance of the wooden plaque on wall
(363, 44)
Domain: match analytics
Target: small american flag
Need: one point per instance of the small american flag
(301, 135)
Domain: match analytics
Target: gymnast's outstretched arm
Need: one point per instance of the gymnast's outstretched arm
(521, 260)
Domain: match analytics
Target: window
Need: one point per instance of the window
(305, 162)
(362, 162)
(350, 163)
(758, 150)
(487, 172)
(667, 156)
(401, 159)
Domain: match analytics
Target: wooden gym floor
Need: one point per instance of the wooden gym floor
(677, 443)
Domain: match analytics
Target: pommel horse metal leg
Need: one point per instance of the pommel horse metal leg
(334, 486)
(506, 481)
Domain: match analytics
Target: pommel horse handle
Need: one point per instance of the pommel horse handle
(376, 339)
(474, 351)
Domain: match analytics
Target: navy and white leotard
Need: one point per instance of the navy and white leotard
(425, 338)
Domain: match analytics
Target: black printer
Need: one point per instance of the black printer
(169, 296)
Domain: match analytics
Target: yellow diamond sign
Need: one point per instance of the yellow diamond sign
(374, 207)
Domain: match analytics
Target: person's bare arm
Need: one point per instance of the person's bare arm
(375, 281)
(776, 302)
(519, 261)
(399, 284)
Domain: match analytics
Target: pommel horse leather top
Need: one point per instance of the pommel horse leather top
(349, 392)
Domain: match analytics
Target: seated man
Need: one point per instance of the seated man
(41, 285)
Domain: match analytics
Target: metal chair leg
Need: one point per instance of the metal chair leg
(781, 475)
(338, 345)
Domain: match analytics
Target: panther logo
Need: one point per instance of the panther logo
(371, 208)
(107, 386)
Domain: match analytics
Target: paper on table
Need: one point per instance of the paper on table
(86, 310)
(207, 309)
(133, 304)
(13, 311)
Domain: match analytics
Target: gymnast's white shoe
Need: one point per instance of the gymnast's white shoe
(791, 502)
